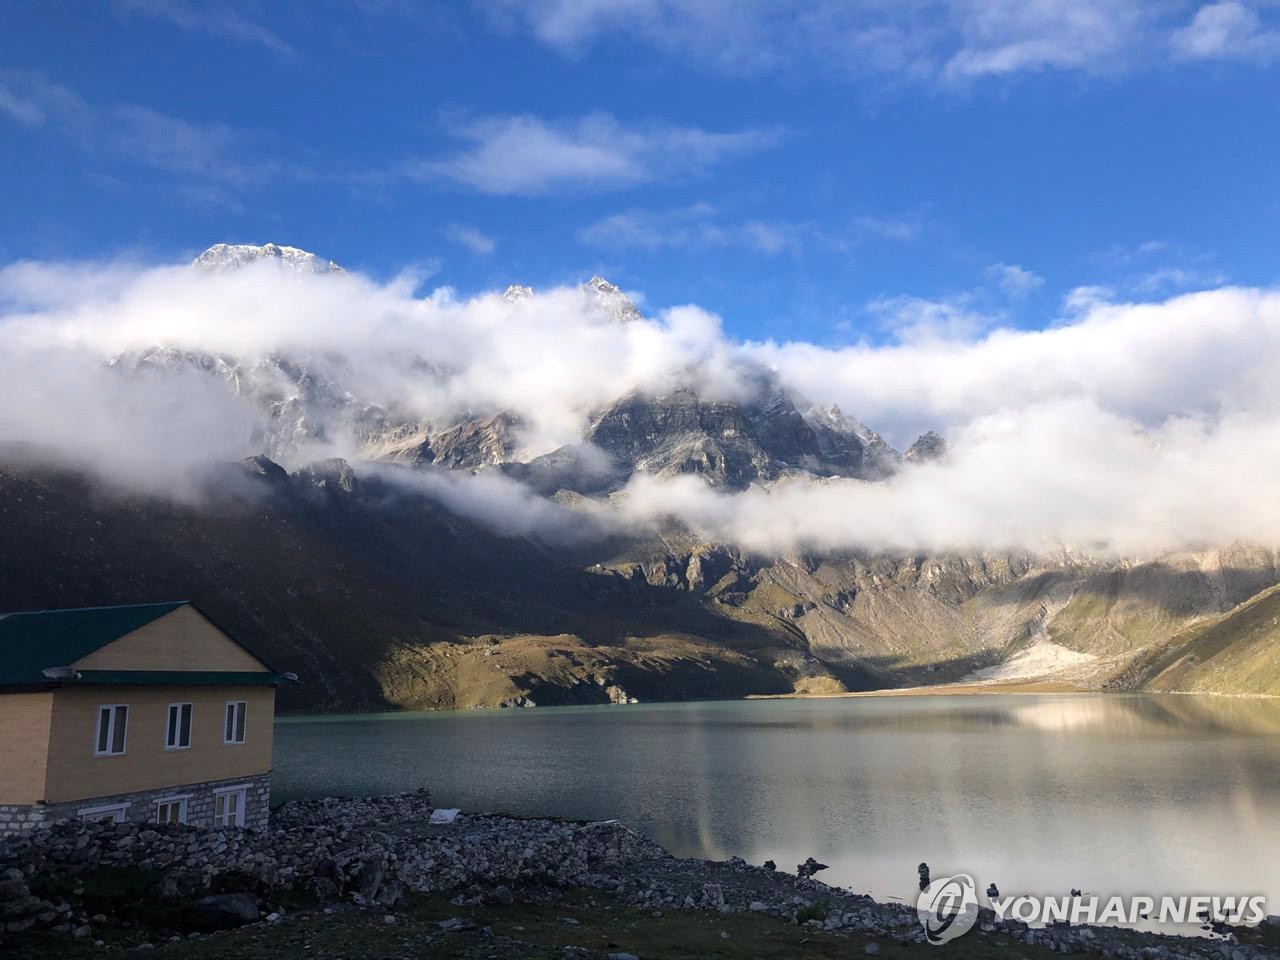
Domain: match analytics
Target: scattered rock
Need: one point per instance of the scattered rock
(367, 853)
(456, 925)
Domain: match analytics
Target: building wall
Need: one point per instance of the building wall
(181, 640)
(75, 774)
(15, 817)
(24, 746)
(141, 805)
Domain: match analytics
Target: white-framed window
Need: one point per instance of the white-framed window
(177, 730)
(106, 813)
(113, 728)
(228, 806)
(233, 727)
(172, 809)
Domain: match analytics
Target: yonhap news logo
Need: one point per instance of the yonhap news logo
(948, 907)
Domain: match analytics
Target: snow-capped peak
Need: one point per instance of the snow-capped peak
(614, 301)
(517, 293)
(230, 256)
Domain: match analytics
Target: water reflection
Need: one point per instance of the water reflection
(1111, 794)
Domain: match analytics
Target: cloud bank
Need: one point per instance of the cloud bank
(1131, 428)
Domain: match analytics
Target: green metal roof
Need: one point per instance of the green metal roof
(33, 641)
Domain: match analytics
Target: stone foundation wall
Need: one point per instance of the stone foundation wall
(141, 806)
(18, 817)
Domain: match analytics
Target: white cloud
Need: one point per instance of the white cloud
(1196, 355)
(700, 226)
(25, 110)
(211, 152)
(1015, 281)
(921, 320)
(528, 155)
(1011, 36)
(1158, 268)
(220, 19)
(1131, 428)
(1164, 280)
(890, 228)
(1228, 30)
(1039, 476)
(1080, 300)
(697, 226)
(476, 241)
(897, 41)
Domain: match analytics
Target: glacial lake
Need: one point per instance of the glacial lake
(1113, 794)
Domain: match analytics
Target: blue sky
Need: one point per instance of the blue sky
(828, 171)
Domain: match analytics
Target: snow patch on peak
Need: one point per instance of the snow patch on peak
(834, 418)
(232, 256)
(927, 448)
(616, 303)
(517, 293)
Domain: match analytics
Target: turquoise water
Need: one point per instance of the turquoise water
(1040, 793)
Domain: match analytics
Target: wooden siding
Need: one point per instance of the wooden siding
(24, 745)
(74, 773)
(182, 640)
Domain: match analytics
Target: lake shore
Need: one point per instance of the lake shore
(940, 690)
(1009, 687)
(353, 879)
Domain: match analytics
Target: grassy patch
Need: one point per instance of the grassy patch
(521, 931)
(122, 893)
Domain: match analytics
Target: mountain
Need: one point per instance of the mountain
(307, 402)
(365, 578)
(612, 300)
(927, 447)
(230, 256)
(732, 443)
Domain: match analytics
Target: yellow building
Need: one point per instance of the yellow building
(145, 712)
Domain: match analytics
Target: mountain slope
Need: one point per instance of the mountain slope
(368, 591)
(1237, 653)
(380, 597)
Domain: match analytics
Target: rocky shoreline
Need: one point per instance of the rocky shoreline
(376, 855)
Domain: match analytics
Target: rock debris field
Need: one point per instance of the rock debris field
(375, 855)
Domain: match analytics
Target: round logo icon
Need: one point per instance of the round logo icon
(948, 907)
